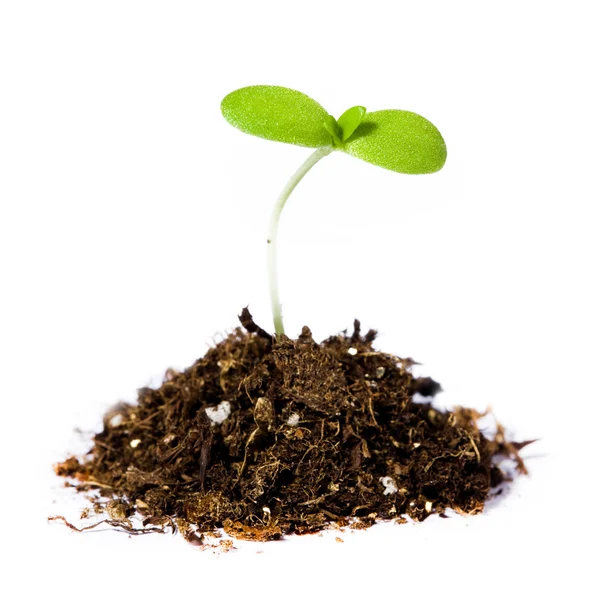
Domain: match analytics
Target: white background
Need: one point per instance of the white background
(132, 231)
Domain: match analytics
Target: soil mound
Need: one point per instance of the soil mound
(268, 436)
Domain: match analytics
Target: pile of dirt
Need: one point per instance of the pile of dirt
(268, 436)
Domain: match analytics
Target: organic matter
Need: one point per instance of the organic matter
(266, 436)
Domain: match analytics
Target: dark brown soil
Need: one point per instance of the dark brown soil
(317, 434)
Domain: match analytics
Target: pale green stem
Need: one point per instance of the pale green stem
(310, 162)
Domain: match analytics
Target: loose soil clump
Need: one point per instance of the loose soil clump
(269, 436)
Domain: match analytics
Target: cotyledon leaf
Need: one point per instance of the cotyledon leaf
(398, 140)
(279, 114)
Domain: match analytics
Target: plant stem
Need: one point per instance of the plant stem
(307, 165)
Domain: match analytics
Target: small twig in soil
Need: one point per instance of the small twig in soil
(248, 323)
(116, 524)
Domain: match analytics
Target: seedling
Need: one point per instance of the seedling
(282, 442)
(397, 140)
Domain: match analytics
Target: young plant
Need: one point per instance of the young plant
(397, 140)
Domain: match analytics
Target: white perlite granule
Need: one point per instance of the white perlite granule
(115, 420)
(389, 484)
(293, 419)
(217, 414)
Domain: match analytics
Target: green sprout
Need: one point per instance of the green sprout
(397, 140)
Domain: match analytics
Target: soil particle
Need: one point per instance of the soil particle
(267, 436)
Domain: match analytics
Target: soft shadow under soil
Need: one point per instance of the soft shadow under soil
(269, 436)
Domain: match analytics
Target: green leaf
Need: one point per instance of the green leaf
(350, 120)
(279, 114)
(334, 129)
(398, 140)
